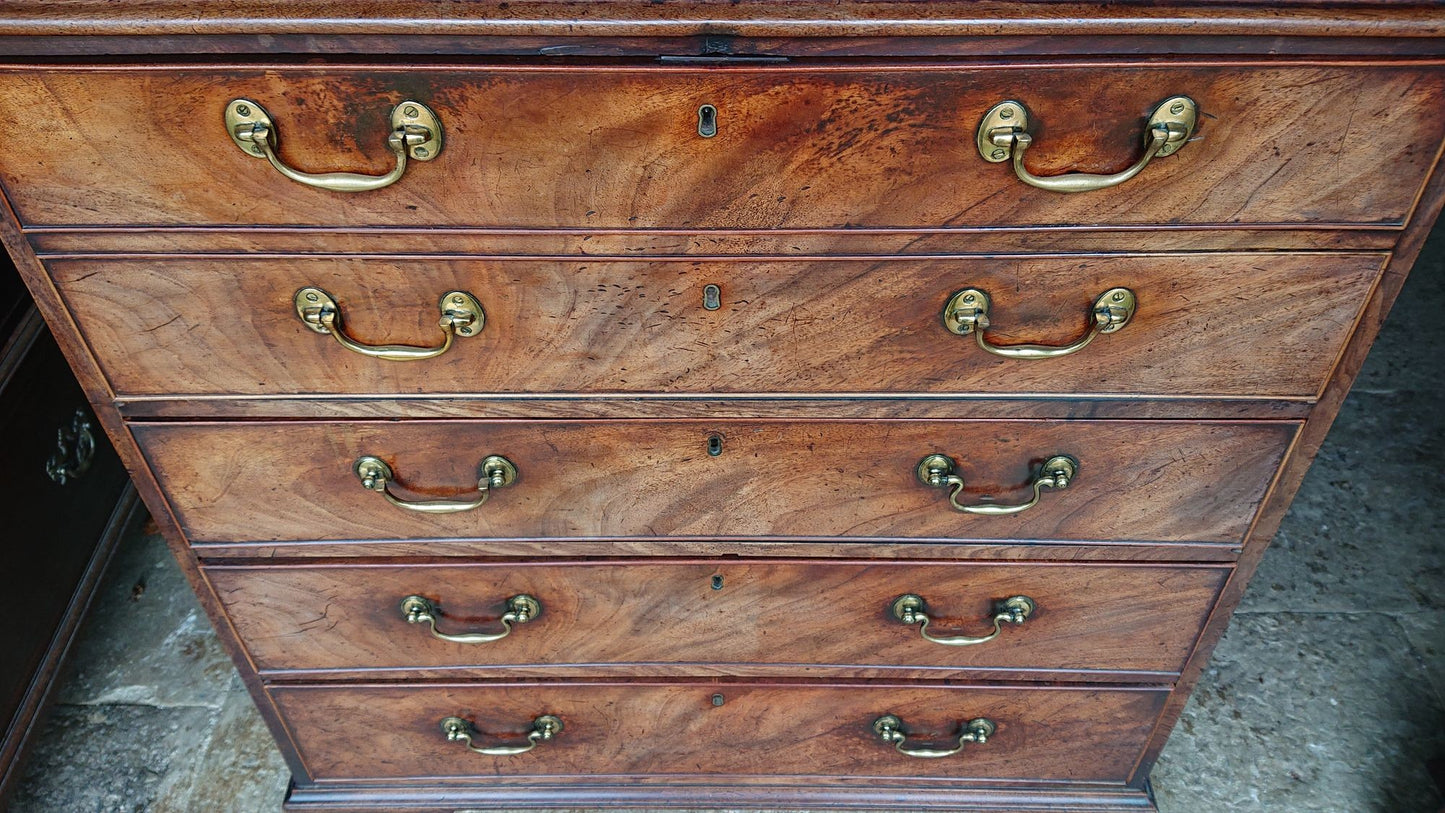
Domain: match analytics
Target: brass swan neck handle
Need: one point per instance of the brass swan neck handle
(544, 728)
(1003, 135)
(375, 475)
(416, 133)
(910, 608)
(967, 313)
(937, 471)
(520, 609)
(889, 729)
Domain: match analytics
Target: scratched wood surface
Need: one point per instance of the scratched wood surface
(720, 613)
(797, 147)
(229, 326)
(1081, 735)
(1150, 481)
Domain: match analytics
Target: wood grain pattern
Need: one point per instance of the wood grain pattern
(717, 614)
(1144, 481)
(727, 793)
(1218, 325)
(710, 245)
(194, 22)
(576, 406)
(433, 550)
(393, 732)
(821, 147)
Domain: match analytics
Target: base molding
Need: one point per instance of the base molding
(815, 795)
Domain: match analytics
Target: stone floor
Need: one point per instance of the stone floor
(1327, 693)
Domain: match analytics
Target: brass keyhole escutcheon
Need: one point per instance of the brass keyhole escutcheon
(707, 121)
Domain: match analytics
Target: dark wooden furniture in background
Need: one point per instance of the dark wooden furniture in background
(705, 429)
(65, 500)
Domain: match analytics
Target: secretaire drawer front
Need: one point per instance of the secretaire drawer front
(1158, 481)
(606, 729)
(1228, 324)
(609, 146)
(1051, 618)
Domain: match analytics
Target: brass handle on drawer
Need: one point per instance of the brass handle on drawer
(520, 610)
(910, 609)
(967, 312)
(415, 131)
(1003, 134)
(543, 728)
(461, 315)
(74, 450)
(936, 470)
(890, 729)
(374, 474)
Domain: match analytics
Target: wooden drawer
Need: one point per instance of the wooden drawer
(611, 729)
(1156, 481)
(1206, 324)
(797, 147)
(722, 616)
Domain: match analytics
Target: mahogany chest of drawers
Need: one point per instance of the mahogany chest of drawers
(750, 404)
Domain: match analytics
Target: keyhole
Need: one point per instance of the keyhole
(711, 297)
(717, 582)
(707, 121)
(714, 445)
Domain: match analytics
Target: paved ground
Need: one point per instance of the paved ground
(1327, 694)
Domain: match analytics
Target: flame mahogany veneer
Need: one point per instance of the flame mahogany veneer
(717, 503)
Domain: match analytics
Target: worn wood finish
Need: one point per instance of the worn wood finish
(425, 549)
(722, 615)
(1311, 437)
(574, 406)
(836, 147)
(1142, 481)
(712, 245)
(1217, 325)
(620, 729)
(130, 164)
(729, 793)
(189, 23)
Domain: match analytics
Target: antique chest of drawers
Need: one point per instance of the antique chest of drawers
(748, 404)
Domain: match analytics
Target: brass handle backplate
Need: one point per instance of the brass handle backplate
(1004, 134)
(543, 728)
(375, 474)
(890, 729)
(74, 449)
(936, 471)
(520, 609)
(461, 315)
(910, 608)
(416, 133)
(967, 312)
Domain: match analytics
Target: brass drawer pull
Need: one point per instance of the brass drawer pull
(936, 470)
(1003, 134)
(415, 131)
(520, 610)
(543, 728)
(461, 315)
(967, 312)
(74, 449)
(911, 609)
(374, 474)
(890, 729)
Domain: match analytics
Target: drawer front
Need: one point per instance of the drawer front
(1155, 481)
(388, 732)
(1205, 324)
(618, 147)
(1098, 618)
